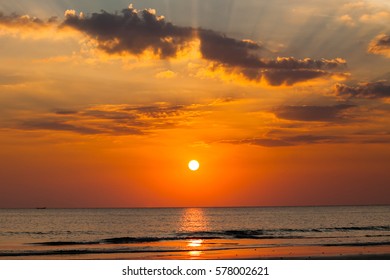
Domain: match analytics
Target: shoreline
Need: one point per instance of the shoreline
(259, 253)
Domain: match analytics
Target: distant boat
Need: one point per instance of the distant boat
(40, 208)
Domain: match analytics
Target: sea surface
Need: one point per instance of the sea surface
(170, 232)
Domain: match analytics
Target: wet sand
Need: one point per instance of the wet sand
(197, 250)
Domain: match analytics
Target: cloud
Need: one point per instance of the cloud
(26, 26)
(364, 90)
(355, 5)
(276, 73)
(292, 76)
(313, 139)
(380, 45)
(314, 113)
(24, 20)
(347, 20)
(219, 48)
(307, 63)
(135, 32)
(301, 139)
(57, 125)
(380, 17)
(242, 58)
(366, 12)
(139, 32)
(168, 74)
(132, 32)
(265, 142)
(114, 119)
(287, 137)
(66, 112)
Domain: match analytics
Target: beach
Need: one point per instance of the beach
(250, 253)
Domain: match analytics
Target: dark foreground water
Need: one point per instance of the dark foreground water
(138, 233)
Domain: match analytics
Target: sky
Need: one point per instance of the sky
(283, 103)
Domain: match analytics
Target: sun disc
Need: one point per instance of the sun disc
(193, 165)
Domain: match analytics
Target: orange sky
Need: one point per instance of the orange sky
(99, 111)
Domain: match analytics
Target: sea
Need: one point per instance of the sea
(170, 233)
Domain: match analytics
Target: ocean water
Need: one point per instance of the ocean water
(166, 232)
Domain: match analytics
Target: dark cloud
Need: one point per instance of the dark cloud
(377, 141)
(284, 141)
(364, 90)
(158, 111)
(313, 113)
(376, 133)
(58, 125)
(286, 138)
(264, 142)
(15, 20)
(380, 45)
(80, 126)
(374, 137)
(229, 52)
(108, 115)
(292, 76)
(66, 112)
(114, 119)
(134, 31)
(307, 63)
(217, 47)
(312, 139)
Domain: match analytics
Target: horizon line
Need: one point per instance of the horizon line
(182, 207)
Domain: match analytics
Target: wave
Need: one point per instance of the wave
(360, 244)
(238, 234)
(335, 229)
(81, 252)
(279, 233)
(368, 228)
(231, 235)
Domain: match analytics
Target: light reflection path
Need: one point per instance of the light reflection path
(194, 220)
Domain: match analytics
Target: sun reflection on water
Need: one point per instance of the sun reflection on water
(195, 243)
(195, 253)
(194, 220)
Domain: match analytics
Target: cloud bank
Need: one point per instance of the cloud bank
(134, 32)
(119, 120)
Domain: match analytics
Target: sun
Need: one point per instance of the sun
(193, 165)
